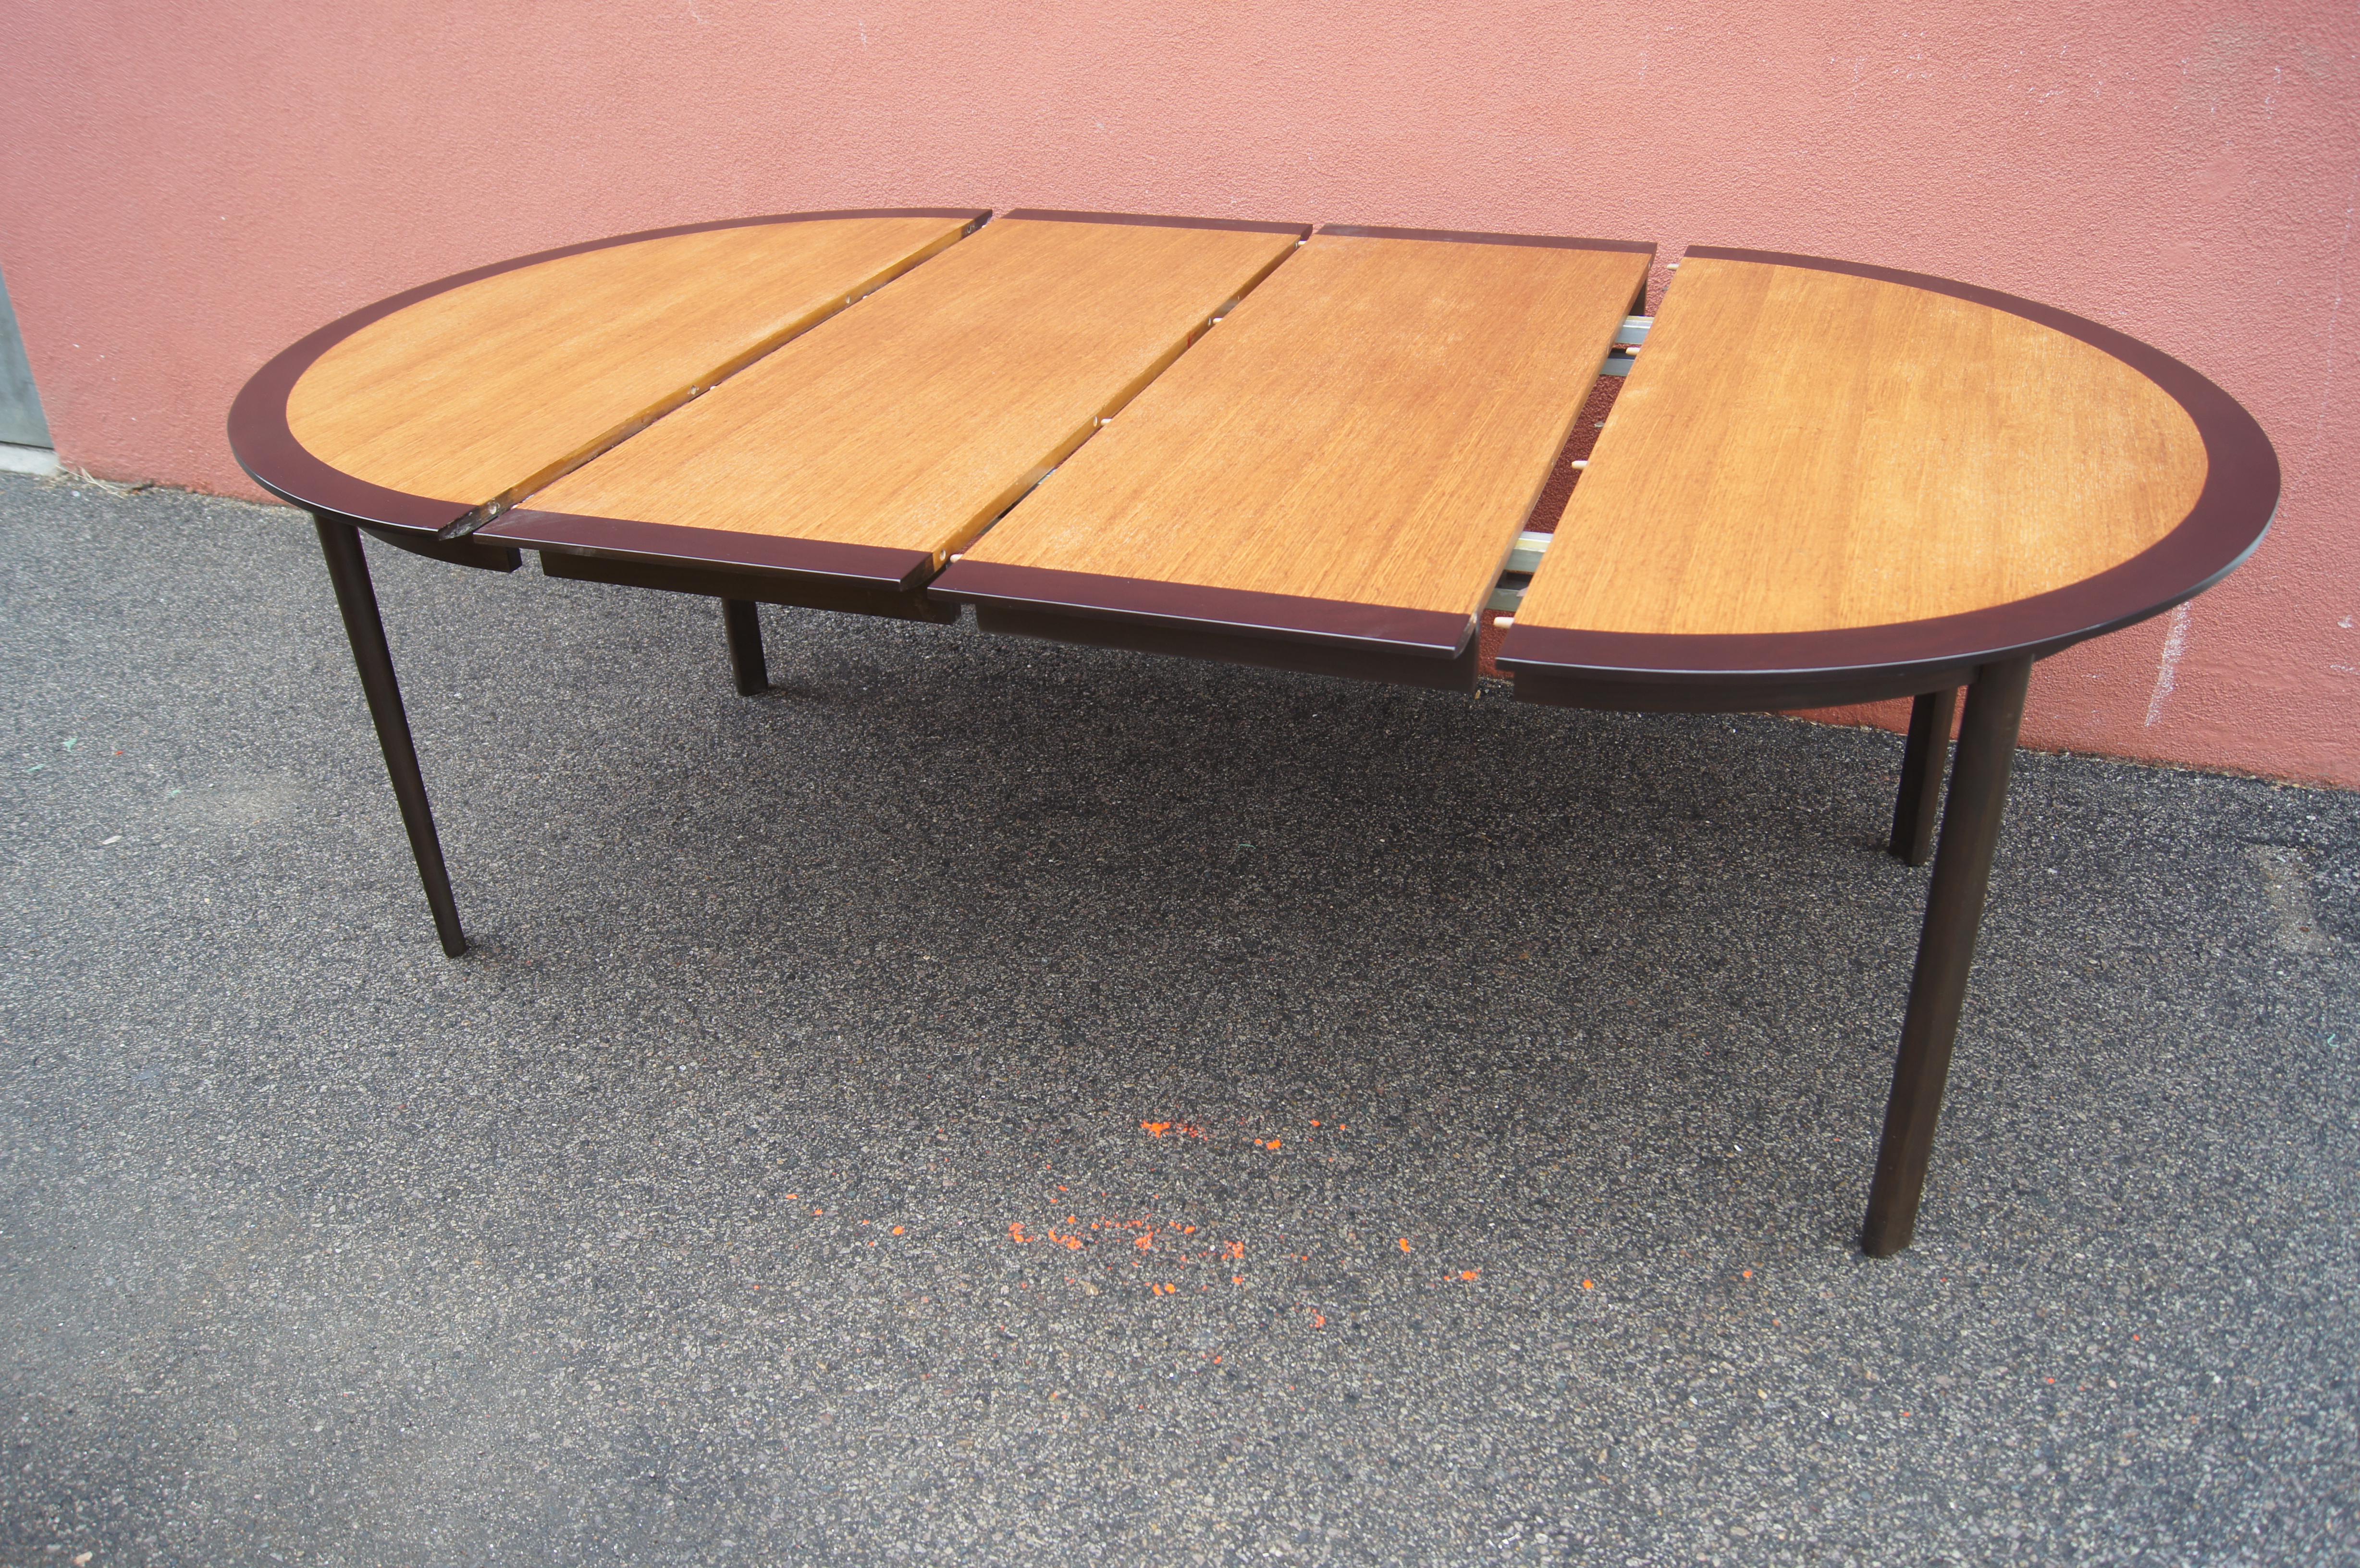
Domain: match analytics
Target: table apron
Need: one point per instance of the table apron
(1740, 692)
(1263, 652)
(760, 587)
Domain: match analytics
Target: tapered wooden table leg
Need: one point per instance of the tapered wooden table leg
(742, 624)
(1945, 951)
(356, 597)
(1922, 766)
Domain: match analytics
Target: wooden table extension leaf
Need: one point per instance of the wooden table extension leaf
(1823, 482)
(1342, 467)
(907, 426)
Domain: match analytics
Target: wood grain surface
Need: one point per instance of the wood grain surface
(1801, 450)
(915, 419)
(493, 388)
(1371, 426)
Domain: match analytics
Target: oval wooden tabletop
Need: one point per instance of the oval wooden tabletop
(1825, 481)
(471, 391)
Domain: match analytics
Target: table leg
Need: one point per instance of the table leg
(1921, 776)
(1946, 949)
(349, 570)
(742, 621)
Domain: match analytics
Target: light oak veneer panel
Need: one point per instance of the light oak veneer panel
(1802, 450)
(491, 389)
(1371, 426)
(915, 419)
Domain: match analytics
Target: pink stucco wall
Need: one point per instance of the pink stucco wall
(184, 189)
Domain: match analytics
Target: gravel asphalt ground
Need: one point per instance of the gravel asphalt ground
(987, 1102)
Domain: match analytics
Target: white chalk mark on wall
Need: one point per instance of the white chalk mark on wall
(2327, 376)
(2166, 669)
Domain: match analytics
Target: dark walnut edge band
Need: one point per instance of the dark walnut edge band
(842, 596)
(1798, 670)
(861, 579)
(620, 538)
(267, 449)
(1369, 663)
(1152, 220)
(1474, 237)
(1281, 631)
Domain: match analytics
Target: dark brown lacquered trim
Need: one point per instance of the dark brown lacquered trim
(451, 553)
(669, 544)
(267, 449)
(1151, 221)
(1372, 661)
(1469, 236)
(2232, 513)
(849, 597)
(1232, 612)
(1751, 694)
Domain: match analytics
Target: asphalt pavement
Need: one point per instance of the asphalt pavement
(991, 1102)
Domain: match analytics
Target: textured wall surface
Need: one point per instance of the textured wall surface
(185, 190)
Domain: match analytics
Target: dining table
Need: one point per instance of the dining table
(1310, 449)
